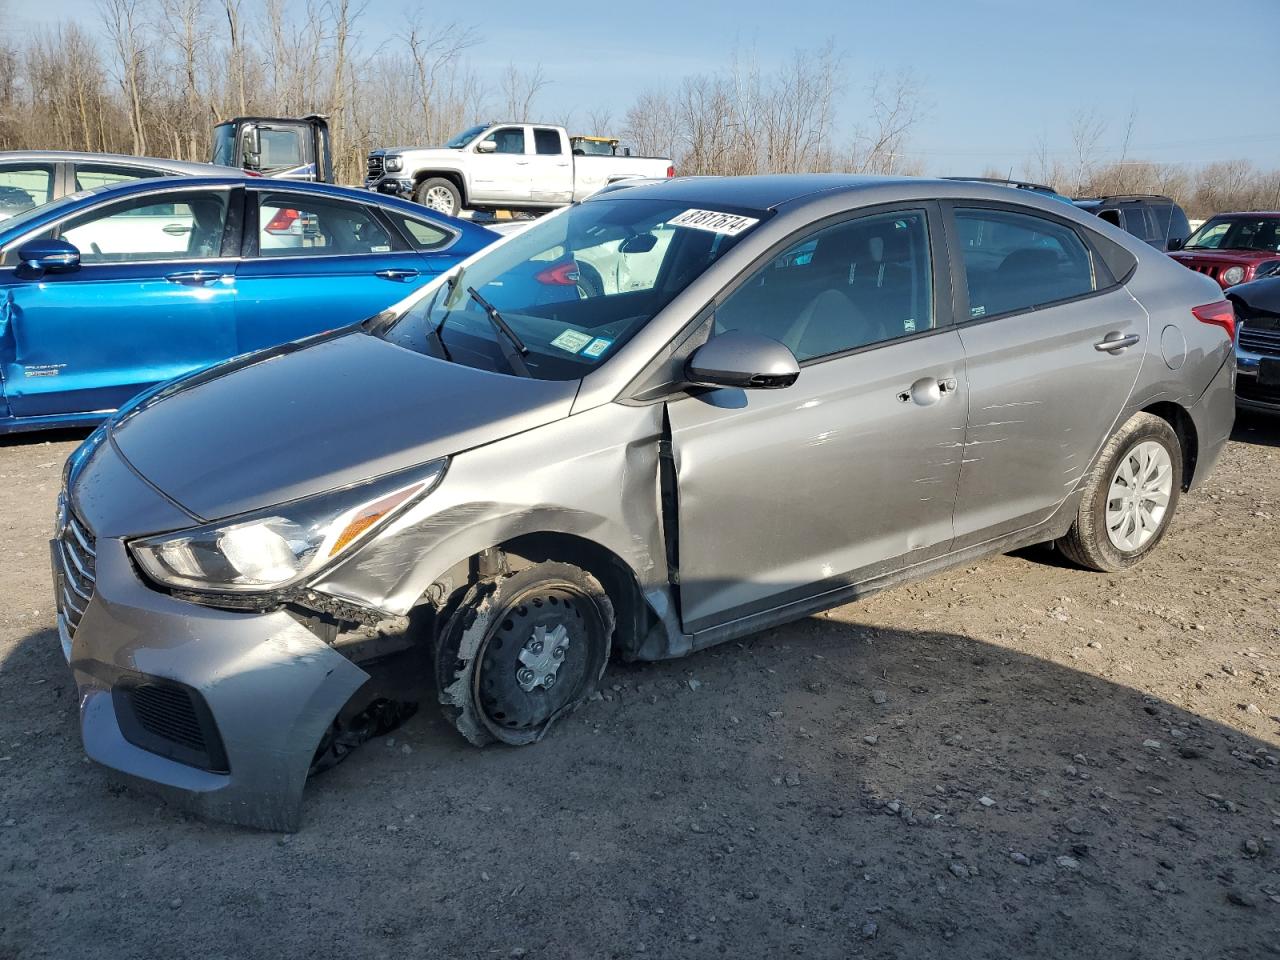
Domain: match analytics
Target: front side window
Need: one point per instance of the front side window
(90, 176)
(1018, 261)
(296, 225)
(185, 226)
(23, 187)
(546, 142)
(1238, 233)
(851, 285)
(507, 140)
(574, 287)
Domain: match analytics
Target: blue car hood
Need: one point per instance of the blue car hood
(291, 422)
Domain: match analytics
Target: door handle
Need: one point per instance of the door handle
(928, 390)
(195, 277)
(176, 229)
(1114, 342)
(396, 273)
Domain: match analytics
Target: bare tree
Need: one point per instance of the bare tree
(896, 108)
(520, 88)
(123, 20)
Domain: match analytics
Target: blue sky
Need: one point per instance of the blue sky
(999, 75)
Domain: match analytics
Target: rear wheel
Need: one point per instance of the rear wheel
(523, 650)
(1130, 497)
(440, 195)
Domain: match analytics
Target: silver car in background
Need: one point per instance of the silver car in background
(821, 387)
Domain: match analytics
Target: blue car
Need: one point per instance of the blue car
(106, 292)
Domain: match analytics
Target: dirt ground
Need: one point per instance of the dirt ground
(1015, 760)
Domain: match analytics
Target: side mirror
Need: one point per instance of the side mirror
(487, 146)
(737, 358)
(1175, 243)
(38, 257)
(639, 243)
(251, 148)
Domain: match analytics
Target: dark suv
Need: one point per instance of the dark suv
(1156, 220)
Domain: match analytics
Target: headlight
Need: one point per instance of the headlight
(283, 545)
(1232, 275)
(392, 164)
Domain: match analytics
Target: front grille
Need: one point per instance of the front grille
(169, 719)
(1207, 271)
(77, 560)
(1260, 340)
(377, 166)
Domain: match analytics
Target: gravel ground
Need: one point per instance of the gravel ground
(1016, 759)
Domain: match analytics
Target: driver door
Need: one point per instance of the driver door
(153, 298)
(504, 173)
(851, 471)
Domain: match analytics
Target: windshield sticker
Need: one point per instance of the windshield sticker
(571, 340)
(730, 224)
(381, 248)
(597, 348)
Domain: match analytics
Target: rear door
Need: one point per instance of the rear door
(851, 471)
(550, 167)
(315, 262)
(1044, 391)
(152, 299)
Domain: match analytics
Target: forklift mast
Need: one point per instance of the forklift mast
(286, 148)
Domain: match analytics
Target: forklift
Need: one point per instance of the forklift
(280, 147)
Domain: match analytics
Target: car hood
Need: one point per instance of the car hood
(292, 422)
(424, 153)
(1241, 257)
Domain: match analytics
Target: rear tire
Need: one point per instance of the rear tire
(440, 195)
(523, 650)
(1129, 498)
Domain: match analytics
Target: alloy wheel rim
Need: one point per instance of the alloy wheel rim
(440, 200)
(1138, 497)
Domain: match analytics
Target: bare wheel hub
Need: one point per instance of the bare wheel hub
(541, 657)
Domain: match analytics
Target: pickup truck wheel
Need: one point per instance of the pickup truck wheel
(440, 195)
(1129, 498)
(521, 651)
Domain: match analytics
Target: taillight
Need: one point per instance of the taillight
(1220, 314)
(671, 171)
(282, 221)
(561, 275)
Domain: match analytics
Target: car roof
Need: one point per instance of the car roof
(117, 159)
(773, 191)
(1265, 214)
(57, 208)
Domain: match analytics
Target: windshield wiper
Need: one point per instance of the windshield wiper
(512, 347)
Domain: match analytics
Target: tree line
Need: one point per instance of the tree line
(154, 76)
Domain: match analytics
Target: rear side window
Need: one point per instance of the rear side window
(296, 225)
(91, 175)
(424, 235)
(1135, 221)
(546, 142)
(1018, 261)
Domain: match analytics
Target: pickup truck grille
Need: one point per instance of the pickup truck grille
(76, 558)
(1260, 341)
(376, 167)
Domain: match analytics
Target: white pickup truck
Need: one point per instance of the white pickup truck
(503, 166)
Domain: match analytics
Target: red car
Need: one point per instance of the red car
(1234, 248)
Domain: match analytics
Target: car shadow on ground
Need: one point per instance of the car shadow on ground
(47, 437)
(823, 789)
(1260, 429)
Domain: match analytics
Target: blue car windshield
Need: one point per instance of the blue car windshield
(568, 292)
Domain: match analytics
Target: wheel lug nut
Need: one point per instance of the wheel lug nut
(526, 675)
(536, 646)
(548, 680)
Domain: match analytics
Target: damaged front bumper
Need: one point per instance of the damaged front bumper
(223, 711)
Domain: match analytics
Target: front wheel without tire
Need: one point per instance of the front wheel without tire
(523, 650)
(1129, 498)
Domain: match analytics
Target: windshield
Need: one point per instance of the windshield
(224, 145)
(572, 288)
(1237, 233)
(465, 137)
